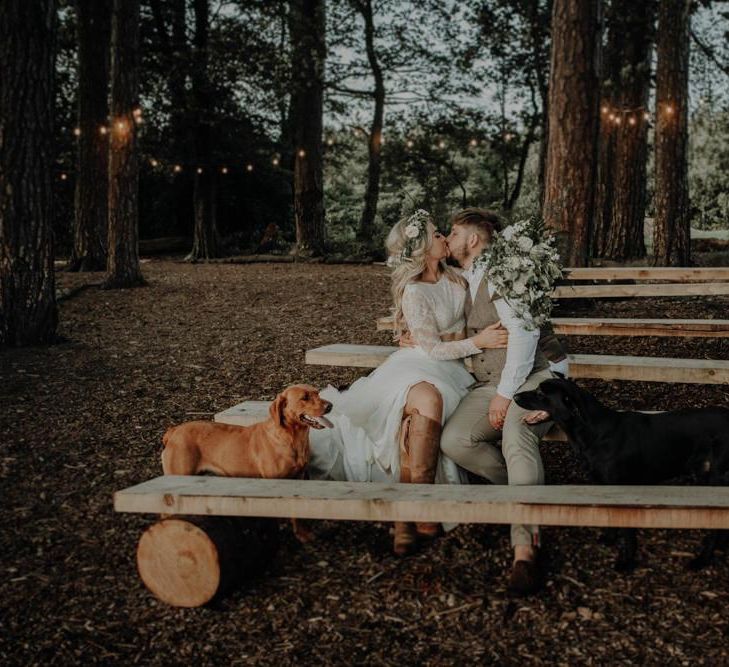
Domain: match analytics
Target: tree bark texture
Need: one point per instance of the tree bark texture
(573, 121)
(205, 230)
(28, 312)
(671, 233)
(123, 269)
(308, 47)
(374, 166)
(623, 151)
(90, 210)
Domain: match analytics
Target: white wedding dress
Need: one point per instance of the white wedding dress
(363, 444)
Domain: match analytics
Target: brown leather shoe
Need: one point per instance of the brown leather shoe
(526, 578)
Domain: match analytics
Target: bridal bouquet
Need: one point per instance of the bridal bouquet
(522, 263)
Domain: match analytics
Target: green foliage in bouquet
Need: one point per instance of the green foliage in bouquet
(522, 264)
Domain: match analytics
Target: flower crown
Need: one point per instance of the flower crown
(415, 228)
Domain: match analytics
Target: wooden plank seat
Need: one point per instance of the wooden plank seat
(573, 505)
(672, 273)
(252, 412)
(653, 289)
(605, 367)
(675, 274)
(618, 326)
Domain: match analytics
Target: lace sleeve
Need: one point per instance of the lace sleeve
(423, 326)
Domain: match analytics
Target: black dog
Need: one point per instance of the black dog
(637, 448)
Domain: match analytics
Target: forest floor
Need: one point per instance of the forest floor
(83, 418)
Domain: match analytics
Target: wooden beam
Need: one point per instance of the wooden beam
(614, 506)
(606, 367)
(674, 273)
(616, 326)
(658, 289)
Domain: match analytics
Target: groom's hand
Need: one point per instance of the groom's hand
(497, 411)
(536, 417)
(492, 337)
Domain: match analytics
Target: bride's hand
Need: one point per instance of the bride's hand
(493, 336)
(406, 340)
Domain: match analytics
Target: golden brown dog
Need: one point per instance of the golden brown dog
(276, 448)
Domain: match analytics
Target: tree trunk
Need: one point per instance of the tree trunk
(620, 212)
(28, 313)
(90, 210)
(205, 231)
(308, 53)
(374, 167)
(573, 117)
(671, 234)
(122, 267)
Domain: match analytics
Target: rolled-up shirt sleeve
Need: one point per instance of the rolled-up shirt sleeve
(520, 351)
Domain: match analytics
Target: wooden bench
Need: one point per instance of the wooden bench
(681, 285)
(676, 274)
(618, 326)
(645, 369)
(189, 558)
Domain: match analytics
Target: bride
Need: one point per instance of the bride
(386, 426)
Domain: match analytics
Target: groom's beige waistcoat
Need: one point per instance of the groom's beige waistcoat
(480, 313)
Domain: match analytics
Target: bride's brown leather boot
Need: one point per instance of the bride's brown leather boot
(424, 448)
(406, 538)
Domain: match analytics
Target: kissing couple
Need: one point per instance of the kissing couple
(442, 404)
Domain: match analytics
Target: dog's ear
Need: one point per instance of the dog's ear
(277, 409)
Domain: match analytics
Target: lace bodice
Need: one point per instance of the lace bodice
(435, 309)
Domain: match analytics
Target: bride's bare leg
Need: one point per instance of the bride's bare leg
(425, 408)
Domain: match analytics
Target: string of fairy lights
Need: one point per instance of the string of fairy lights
(611, 115)
(633, 116)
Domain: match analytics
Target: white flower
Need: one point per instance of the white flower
(520, 285)
(525, 243)
(508, 233)
(412, 231)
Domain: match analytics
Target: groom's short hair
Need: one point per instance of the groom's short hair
(485, 223)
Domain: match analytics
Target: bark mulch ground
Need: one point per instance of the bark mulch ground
(83, 418)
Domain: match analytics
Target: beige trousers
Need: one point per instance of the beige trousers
(472, 443)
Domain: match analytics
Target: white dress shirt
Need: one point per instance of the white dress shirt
(522, 344)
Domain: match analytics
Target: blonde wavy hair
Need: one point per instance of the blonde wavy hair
(407, 269)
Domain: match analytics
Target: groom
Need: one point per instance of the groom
(487, 413)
